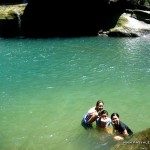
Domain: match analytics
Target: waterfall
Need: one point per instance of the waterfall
(17, 15)
(19, 19)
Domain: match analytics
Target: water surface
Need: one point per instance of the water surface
(47, 85)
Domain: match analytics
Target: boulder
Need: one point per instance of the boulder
(128, 26)
(139, 141)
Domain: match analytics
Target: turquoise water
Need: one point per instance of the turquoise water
(47, 85)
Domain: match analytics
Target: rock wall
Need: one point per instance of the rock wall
(10, 20)
(69, 18)
(59, 18)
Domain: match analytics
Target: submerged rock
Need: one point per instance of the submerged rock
(139, 141)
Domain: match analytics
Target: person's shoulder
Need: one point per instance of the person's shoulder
(92, 110)
(122, 124)
(109, 119)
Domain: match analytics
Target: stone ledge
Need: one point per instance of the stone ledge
(128, 26)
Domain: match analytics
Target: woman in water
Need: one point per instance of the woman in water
(120, 129)
(92, 114)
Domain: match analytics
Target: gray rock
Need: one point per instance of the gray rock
(139, 141)
(128, 26)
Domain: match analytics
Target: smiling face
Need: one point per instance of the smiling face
(100, 107)
(115, 120)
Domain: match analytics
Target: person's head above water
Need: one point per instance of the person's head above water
(103, 114)
(115, 118)
(99, 105)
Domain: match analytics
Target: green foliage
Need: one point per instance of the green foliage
(140, 2)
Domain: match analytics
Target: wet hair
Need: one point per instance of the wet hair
(99, 101)
(114, 114)
(103, 112)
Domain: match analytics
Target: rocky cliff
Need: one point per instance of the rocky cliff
(65, 18)
(132, 24)
(10, 20)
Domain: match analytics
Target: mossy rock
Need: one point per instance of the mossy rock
(129, 27)
(139, 141)
(8, 12)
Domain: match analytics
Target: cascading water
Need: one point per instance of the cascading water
(19, 19)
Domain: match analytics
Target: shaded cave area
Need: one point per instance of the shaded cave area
(67, 18)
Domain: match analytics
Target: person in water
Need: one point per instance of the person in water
(103, 121)
(92, 115)
(120, 129)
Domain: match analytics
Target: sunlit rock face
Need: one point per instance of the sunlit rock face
(10, 20)
(129, 26)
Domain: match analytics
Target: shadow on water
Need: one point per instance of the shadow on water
(94, 139)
